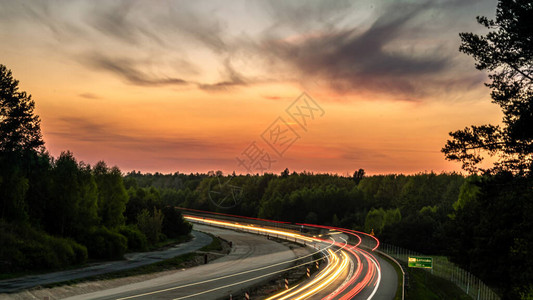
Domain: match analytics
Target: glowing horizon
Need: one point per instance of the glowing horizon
(186, 87)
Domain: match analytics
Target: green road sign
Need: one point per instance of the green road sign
(420, 262)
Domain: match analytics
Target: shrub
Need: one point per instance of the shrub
(136, 239)
(27, 248)
(106, 244)
(173, 223)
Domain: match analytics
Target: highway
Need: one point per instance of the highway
(351, 270)
(220, 278)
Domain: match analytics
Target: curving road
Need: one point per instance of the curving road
(214, 280)
(352, 270)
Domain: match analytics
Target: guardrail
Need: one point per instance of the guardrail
(296, 240)
(469, 283)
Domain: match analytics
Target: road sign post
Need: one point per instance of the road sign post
(420, 262)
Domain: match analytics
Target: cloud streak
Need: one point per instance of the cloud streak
(128, 70)
(82, 130)
(355, 46)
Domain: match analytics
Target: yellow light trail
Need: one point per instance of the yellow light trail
(329, 269)
(252, 228)
(321, 281)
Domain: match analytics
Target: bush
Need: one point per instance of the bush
(27, 248)
(173, 223)
(136, 239)
(106, 244)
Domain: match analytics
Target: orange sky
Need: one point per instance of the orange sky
(188, 86)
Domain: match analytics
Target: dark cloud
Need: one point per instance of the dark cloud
(119, 20)
(129, 70)
(355, 60)
(302, 16)
(234, 79)
(87, 131)
(89, 96)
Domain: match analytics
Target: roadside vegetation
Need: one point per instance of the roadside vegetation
(424, 286)
(217, 247)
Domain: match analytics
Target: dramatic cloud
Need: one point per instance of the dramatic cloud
(356, 59)
(406, 49)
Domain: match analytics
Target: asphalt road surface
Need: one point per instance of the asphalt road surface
(215, 279)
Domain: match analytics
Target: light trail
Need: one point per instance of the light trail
(352, 285)
(329, 269)
(252, 228)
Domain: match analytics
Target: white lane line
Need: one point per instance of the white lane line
(223, 277)
(379, 277)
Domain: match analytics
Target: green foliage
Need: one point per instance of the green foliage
(497, 221)
(13, 188)
(112, 195)
(392, 216)
(468, 193)
(136, 239)
(73, 208)
(24, 247)
(106, 244)
(493, 213)
(377, 219)
(150, 224)
(139, 199)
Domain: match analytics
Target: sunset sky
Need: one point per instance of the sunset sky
(191, 86)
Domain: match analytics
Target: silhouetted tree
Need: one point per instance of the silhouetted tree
(507, 53)
(19, 127)
(358, 175)
(20, 135)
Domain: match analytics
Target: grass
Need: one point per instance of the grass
(170, 242)
(424, 286)
(216, 244)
